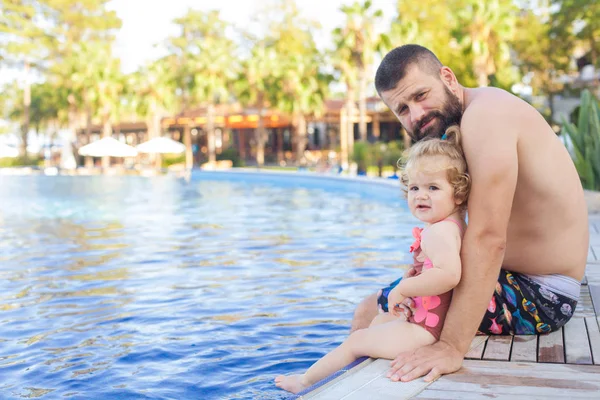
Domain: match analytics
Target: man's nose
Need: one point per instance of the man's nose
(416, 114)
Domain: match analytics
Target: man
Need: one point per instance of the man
(525, 248)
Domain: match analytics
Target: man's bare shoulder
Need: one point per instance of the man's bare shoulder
(491, 108)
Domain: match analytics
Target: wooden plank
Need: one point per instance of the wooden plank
(591, 255)
(498, 348)
(596, 251)
(595, 296)
(524, 348)
(584, 306)
(592, 272)
(477, 347)
(519, 380)
(551, 348)
(577, 344)
(594, 335)
(370, 382)
(354, 372)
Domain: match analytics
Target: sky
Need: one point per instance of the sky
(148, 23)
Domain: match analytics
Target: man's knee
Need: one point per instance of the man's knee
(365, 312)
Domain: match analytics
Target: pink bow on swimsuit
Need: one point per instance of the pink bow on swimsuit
(417, 235)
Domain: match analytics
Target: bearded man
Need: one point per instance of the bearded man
(525, 248)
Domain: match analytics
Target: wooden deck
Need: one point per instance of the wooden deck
(556, 365)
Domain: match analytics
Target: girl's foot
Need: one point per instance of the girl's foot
(291, 383)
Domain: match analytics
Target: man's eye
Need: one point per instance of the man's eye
(403, 109)
(420, 96)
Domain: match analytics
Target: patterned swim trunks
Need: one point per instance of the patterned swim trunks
(522, 304)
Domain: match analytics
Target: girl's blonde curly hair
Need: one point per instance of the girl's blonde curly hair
(450, 148)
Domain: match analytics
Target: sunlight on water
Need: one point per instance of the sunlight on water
(128, 287)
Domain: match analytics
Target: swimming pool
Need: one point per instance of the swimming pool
(138, 288)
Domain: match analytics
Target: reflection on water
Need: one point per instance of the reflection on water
(128, 287)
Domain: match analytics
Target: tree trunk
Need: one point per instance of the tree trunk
(88, 161)
(344, 138)
(301, 138)
(187, 141)
(210, 134)
(350, 126)
(26, 108)
(260, 133)
(362, 104)
(280, 156)
(106, 132)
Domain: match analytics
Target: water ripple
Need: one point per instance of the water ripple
(136, 288)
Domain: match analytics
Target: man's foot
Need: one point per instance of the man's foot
(291, 383)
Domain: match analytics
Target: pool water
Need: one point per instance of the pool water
(161, 288)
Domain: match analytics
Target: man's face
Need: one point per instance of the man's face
(423, 104)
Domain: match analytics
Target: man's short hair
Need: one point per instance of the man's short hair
(395, 64)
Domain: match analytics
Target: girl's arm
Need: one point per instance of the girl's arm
(441, 244)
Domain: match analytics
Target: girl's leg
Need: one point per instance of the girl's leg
(384, 340)
(384, 318)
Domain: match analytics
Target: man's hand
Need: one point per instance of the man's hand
(434, 360)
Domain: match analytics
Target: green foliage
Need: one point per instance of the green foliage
(171, 159)
(393, 153)
(233, 155)
(470, 36)
(576, 23)
(20, 162)
(585, 139)
(362, 156)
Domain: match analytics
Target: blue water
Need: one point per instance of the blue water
(158, 288)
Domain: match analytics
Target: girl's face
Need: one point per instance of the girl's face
(430, 194)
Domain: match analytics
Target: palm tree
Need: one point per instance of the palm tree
(255, 86)
(301, 86)
(359, 37)
(485, 28)
(206, 66)
(152, 95)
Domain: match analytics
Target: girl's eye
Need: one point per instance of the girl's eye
(433, 188)
(413, 188)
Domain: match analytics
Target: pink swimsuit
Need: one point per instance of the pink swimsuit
(430, 311)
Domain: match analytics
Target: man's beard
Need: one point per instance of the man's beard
(451, 114)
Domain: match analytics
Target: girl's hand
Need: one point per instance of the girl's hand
(395, 298)
(406, 307)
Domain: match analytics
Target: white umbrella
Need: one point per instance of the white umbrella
(161, 145)
(8, 151)
(108, 147)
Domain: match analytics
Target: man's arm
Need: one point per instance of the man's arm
(490, 146)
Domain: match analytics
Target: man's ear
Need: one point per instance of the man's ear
(449, 79)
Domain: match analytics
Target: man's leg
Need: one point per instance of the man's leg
(365, 312)
(368, 309)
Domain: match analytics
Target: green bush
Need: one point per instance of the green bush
(361, 155)
(232, 154)
(585, 139)
(170, 159)
(20, 162)
(393, 153)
